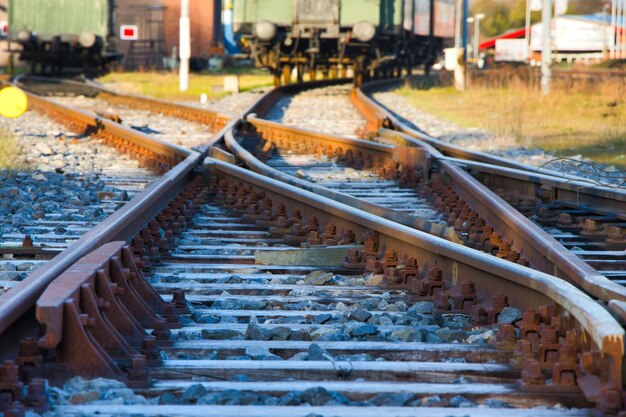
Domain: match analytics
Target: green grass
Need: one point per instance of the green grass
(10, 152)
(164, 85)
(567, 122)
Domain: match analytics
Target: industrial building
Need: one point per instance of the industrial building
(575, 38)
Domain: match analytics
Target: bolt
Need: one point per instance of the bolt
(532, 375)
(180, 301)
(27, 242)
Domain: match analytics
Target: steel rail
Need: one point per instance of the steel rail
(97, 123)
(261, 168)
(542, 250)
(528, 288)
(119, 225)
(379, 116)
(124, 223)
(214, 120)
(538, 246)
(583, 192)
(455, 260)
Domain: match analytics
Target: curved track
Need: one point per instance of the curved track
(573, 225)
(366, 308)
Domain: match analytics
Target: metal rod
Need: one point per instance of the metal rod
(612, 38)
(546, 47)
(527, 26)
(618, 16)
(185, 45)
(476, 29)
(457, 26)
(465, 28)
(604, 36)
(621, 24)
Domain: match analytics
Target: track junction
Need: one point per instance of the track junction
(274, 266)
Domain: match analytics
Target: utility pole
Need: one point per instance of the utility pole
(184, 45)
(606, 35)
(461, 75)
(477, 19)
(527, 26)
(457, 26)
(459, 68)
(612, 37)
(465, 28)
(546, 47)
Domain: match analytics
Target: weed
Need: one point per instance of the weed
(11, 155)
(576, 118)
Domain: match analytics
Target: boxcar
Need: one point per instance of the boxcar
(55, 34)
(89, 34)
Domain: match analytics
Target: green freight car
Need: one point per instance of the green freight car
(56, 34)
(369, 36)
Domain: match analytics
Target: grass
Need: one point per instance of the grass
(571, 120)
(10, 152)
(164, 85)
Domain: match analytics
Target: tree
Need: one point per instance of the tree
(586, 6)
(500, 15)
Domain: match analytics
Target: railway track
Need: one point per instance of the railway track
(64, 236)
(556, 211)
(257, 303)
(55, 231)
(155, 117)
(462, 200)
(121, 167)
(265, 296)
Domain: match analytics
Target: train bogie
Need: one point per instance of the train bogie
(367, 35)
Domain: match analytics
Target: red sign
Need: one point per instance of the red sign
(4, 28)
(129, 32)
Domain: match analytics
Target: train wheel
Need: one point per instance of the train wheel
(358, 78)
(300, 72)
(286, 74)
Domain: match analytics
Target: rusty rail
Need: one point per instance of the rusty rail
(380, 117)
(525, 286)
(277, 133)
(539, 247)
(102, 307)
(175, 161)
(214, 120)
(156, 153)
(85, 296)
(529, 240)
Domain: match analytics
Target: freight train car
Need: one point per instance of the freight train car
(53, 34)
(369, 36)
(87, 35)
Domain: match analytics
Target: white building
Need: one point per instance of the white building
(576, 37)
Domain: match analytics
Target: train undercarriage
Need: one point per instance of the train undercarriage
(338, 58)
